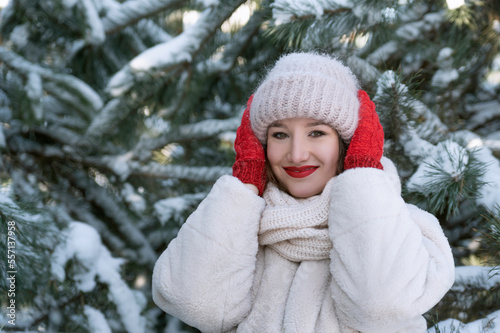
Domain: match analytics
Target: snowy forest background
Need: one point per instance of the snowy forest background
(116, 117)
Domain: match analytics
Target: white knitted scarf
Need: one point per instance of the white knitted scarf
(296, 228)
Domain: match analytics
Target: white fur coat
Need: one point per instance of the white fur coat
(389, 264)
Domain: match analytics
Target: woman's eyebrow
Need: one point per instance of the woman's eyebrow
(316, 123)
(277, 124)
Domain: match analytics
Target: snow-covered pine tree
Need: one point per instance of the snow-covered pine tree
(117, 116)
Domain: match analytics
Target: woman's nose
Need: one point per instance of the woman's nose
(298, 151)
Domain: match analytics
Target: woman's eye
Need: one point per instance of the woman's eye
(317, 133)
(279, 135)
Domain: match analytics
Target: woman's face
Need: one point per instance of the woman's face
(303, 154)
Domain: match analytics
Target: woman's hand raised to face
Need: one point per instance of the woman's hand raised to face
(250, 164)
(367, 144)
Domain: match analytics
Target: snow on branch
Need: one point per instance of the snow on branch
(56, 112)
(483, 113)
(477, 277)
(114, 163)
(3, 143)
(285, 11)
(34, 92)
(489, 195)
(489, 324)
(177, 51)
(196, 131)
(207, 128)
(132, 11)
(94, 28)
(84, 245)
(67, 87)
(153, 31)
(111, 114)
(416, 30)
(390, 87)
(97, 321)
(173, 208)
(409, 32)
(383, 53)
(197, 174)
(20, 145)
(363, 69)
(60, 134)
(451, 172)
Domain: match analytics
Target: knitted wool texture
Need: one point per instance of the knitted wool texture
(249, 166)
(367, 144)
(296, 228)
(307, 85)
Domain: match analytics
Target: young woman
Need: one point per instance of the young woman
(315, 237)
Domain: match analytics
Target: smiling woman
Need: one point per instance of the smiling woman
(306, 236)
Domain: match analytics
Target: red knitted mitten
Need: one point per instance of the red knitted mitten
(367, 144)
(250, 164)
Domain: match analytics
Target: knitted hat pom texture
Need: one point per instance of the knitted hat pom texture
(307, 85)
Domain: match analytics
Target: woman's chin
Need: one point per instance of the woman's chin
(303, 192)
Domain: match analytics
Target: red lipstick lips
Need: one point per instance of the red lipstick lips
(300, 172)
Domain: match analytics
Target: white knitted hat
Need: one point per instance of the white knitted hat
(307, 85)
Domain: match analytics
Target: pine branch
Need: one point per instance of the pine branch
(68, 122)
(147, 69)
(286, 11)
(383, 53)
(132, 234)
(152, 31)
(393, 100)
(404, 117)
(474, 278)
(195, 174)
(484, 112)
(366, 73)
(235, 46)
(134, 40)
(94, 194)
(490, 193)
(33, 235)
(292, 34)
(491, 238)
(176, 52)
(416, 26)
(175, 208)
(111, 114)
(81, 213)
(96, 266)
(35, 322)
(112, 209)
(448, 178)
(197, 131)
(66, 87)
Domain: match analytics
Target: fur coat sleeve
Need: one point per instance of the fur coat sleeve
(390, 260)
(205, 275)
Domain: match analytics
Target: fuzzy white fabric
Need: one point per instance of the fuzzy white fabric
(389, 263)
(307, 85)
(296, 228)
